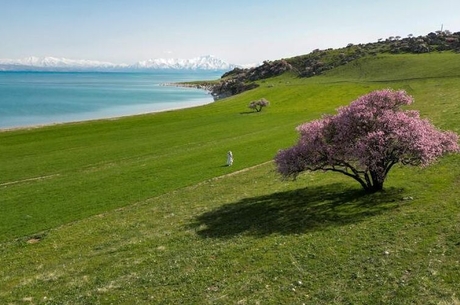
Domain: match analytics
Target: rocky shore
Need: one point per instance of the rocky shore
(206, 86)
(238, 80)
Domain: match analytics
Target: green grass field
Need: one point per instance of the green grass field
(142, 210)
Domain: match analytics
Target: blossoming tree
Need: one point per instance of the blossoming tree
(259, 104)
(365, 139)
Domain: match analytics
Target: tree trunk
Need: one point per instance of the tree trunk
(375, 187)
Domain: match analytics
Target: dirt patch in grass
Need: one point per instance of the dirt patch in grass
(33, 240)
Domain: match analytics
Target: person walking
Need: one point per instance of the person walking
(229, 158)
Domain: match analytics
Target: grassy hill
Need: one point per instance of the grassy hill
(143, 210)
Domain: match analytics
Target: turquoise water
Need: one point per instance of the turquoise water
(38, 98)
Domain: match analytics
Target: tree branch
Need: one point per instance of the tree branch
(355, 174)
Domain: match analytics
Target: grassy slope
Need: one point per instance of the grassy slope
(246, 237)
(59, 174)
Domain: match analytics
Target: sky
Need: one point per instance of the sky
(237, 31)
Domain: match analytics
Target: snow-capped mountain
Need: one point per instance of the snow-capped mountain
(55, 64)
(208, 62)
(59, 62)
(62, 64)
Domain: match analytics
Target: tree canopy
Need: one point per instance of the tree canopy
(259, 104)
(365, 139)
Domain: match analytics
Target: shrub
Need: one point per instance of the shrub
(259, 104)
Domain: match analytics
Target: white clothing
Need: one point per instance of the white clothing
(229, 158)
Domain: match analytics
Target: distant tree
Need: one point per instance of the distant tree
(259, 104)
(365, 139)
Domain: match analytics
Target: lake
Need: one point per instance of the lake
(42, 98)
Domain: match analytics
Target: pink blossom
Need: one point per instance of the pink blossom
(259, 104)
(365, 139)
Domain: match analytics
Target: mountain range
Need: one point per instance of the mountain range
(33, 63)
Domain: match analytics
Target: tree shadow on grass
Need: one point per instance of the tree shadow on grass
(294, 212)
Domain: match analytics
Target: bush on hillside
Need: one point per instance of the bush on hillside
(259, 104)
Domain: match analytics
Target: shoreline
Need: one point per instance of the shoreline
(206, 86)
(109, 118)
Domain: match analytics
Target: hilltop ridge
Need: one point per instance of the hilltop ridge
(318, 61)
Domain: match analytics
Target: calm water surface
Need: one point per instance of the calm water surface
(37, 98)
